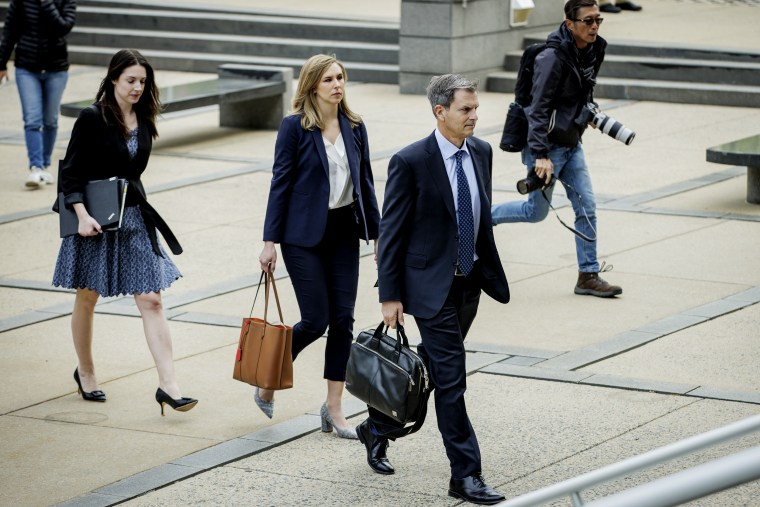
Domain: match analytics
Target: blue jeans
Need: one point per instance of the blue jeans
(570, 167)
(40, 94)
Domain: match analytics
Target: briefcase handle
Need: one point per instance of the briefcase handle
(269, 279)
(401, 339)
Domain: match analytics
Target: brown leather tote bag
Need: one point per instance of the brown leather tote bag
(264, 354)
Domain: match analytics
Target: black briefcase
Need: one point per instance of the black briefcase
(388, 376)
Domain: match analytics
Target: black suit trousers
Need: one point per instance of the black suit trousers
(443, 351)
(325, 281)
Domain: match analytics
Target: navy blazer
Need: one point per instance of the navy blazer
(418, 245)
(300, 188)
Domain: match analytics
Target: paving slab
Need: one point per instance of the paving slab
(684, 422)
(719, 353)
(676, 228)
(555, 413)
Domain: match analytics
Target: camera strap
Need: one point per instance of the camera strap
(577, 233)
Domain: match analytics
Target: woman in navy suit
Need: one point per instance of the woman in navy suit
(321, 204)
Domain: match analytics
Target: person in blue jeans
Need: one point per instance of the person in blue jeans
(37, 30)
(564, 75)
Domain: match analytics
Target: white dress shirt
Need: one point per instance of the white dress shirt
(448, 152)
(341, 186)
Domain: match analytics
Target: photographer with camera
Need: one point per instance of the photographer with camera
(564, 75)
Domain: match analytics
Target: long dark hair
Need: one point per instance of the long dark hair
(146, 109)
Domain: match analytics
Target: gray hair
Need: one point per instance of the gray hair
(441, 89)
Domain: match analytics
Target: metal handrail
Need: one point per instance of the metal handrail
(573, 487)
(690, 484)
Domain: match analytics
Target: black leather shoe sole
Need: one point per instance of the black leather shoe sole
(478, 501)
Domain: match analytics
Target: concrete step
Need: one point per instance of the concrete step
(208, 62)
(663, 91)
(270, 47)
(238, 24)
(652, 49)
(201, 37)
(668, 69)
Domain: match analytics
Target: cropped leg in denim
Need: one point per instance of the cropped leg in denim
(570, 167)
(40, 94)
(577, 182)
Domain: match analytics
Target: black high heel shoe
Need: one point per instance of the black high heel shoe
(180, 405)
(91, 396)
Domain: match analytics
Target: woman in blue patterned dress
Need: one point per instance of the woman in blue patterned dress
(114, 137)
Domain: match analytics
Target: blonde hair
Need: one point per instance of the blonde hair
(304, 100)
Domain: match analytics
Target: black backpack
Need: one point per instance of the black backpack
(515, 134)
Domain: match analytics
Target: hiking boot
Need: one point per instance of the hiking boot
(591, 284)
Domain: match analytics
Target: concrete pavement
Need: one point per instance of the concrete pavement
(560, 384)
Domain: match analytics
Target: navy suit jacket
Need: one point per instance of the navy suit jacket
(418, 245)
(300, 189)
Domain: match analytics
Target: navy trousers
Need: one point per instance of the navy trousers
(443, 351)
(325, 280)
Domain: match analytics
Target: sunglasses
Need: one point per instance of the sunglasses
(591, 21)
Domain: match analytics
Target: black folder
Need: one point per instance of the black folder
(104, 200)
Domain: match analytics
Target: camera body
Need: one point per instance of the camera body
(605, 124)
(531, 183)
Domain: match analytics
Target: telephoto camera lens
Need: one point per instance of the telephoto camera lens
(530, 184)
(613, 128)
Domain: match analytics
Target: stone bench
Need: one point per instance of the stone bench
(249, 96)
(744, 152)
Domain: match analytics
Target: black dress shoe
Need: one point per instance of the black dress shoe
(629, 6)
(180, 404)
(613, 9)
(473, 489)
(376, 447)
(92, 395)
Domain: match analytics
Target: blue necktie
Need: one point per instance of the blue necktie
(465, 219)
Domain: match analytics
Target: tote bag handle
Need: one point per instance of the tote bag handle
(267, 278)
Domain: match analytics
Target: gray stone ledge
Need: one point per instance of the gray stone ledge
(522, 360)
(221, 454)
(47, 286)
(750, 295)
(26, 319)
(210, 319)
(535, 373)
(92, 500)
(476, 361)
(683, 213)
(745, 218)
(639, 384)
(592, 354)
(510, 350)
(717, 308)
(286, 431)
(148, 480)
(725, 394)
(671, 324)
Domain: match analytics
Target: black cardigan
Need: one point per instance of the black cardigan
(37, 29)
(98, 151)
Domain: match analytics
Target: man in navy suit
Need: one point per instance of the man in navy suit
(436, 253)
